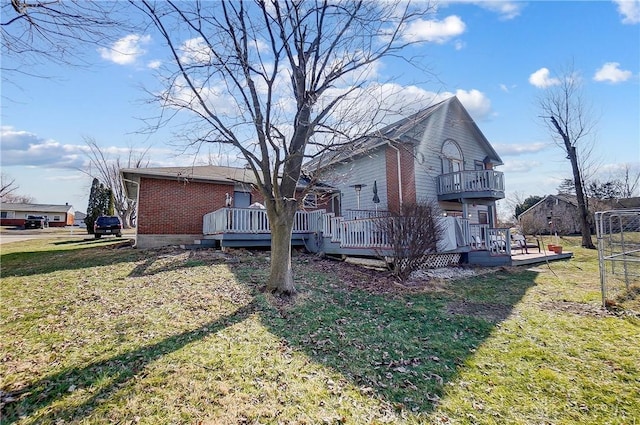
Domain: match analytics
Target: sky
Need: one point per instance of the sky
(498, 57)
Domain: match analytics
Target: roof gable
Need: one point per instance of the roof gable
(408, 130)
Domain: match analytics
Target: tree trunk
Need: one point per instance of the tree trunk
(583, 210)
(281, 276)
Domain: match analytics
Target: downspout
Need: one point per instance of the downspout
(399, 172)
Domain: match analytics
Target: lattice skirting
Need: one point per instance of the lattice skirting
(436, 261)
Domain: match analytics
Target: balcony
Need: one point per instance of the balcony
(472, 184)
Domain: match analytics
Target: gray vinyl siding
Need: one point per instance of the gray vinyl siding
(442, 125)
(362, 170)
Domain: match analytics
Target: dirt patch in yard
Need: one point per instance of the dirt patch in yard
(491, 312)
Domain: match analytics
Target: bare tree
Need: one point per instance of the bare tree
(569, 121)
(7, 186)
(629, 180)
(413, 232)
(51, 31)
(106, 168)
(274, 81)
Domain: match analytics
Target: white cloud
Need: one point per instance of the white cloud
(155, 64)
(630, 11)
(126, 50)
(195, 50)
(475, 102)
(28, 149)
(611, 72)
(520, 149)
(518, 166)
(20, 148)
(542, 79)
(506, 9)
(507, 89)
(433, 30)
(459, 44)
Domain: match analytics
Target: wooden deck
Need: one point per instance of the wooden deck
(358, 234)
(537, 258)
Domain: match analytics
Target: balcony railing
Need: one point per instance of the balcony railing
(475, 183)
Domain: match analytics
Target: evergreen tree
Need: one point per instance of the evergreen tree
(93, 208)
(111, 206)
(527, 203)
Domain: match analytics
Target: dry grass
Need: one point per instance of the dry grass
(99, 335)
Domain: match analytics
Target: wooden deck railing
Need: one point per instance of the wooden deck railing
(357, 233)
(495, 240)
(250, 220)
(365, 233)
(364, 214)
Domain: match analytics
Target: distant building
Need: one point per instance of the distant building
(79, 219)
(56, 215)
(552, 214)
(559, 213)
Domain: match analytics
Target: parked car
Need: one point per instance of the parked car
(107, 225)
(35, 222)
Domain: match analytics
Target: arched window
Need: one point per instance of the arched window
(451, 157)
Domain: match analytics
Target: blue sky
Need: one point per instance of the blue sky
(497, 56)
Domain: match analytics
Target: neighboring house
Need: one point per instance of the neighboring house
(552, 214)
(559, 214)
(79, 219)
(438, 154)
(172, 201)
(625, 203)
(57, 215)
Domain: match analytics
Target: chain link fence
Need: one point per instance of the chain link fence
(618, 234)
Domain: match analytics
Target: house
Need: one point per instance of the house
(625, 203)
(438, 154)
(79, 219)
(552, 214)
(559, 213)
(172, 201)
(57, 215)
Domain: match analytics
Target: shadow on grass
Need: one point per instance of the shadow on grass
(403, 346)
(87, 241)
(77, 254)
(115, 371)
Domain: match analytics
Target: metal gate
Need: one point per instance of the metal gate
(618, 234)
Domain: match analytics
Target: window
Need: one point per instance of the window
(478, 165)
(452, 157)
(56, 218)
(483, 217)
(3, 214)
(310, 201)
(241, 199)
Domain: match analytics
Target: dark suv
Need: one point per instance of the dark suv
(107, 225)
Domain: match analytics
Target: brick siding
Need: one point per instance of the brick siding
(176, 207)
(407, 173)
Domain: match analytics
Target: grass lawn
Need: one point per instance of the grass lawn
(92, 333)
